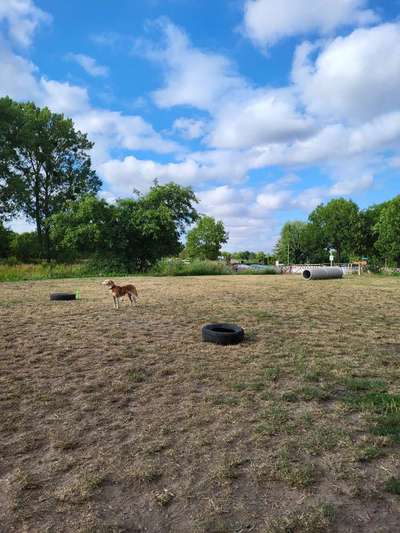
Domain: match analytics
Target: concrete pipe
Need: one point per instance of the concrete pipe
(323, 273)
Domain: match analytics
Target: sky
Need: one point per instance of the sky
(266, 108)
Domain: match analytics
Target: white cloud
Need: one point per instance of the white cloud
(353, 78)
(62, 97)
(248, 227)
(22, 17)
(268, 21)
(192, 77)
(189, 128)
(111, 129)
(89, 64)
(345, 187)
(17, 75)
(259, 117)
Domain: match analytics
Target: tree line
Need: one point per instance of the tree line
(355, 234)
(46, 176)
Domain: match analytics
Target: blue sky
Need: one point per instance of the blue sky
(265, 108)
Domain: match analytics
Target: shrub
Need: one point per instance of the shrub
(178, 267)
(25, 247)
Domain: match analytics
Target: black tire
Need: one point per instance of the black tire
(222, 333)
(63, 296)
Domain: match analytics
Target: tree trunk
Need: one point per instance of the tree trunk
(38, 218)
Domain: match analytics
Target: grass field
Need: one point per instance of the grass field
(124, 421)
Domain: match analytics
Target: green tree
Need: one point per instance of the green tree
(337, 224)
(44, 163)
(25, 246)
(291, 245)
(6, 237)
(388, 231)
(134, 232)
(206, 238)
(84, 228)
(179, 200)
(261, 257)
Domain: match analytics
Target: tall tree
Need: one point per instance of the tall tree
(291, 245)
(205, 239)
(44, 162)
(338, 226)
(179, 200)
(6, 237)
(388, 230)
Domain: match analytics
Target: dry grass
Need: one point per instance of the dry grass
(125, 421)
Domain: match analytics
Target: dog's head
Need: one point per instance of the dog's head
(108, 283)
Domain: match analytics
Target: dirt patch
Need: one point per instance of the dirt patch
(125, 421)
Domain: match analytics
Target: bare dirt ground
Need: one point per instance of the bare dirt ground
(125, 421)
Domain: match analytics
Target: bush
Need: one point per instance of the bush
(25, 247)
(105, 266)
(198, 267)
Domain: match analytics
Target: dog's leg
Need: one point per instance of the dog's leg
(130, 298)
(115, 302)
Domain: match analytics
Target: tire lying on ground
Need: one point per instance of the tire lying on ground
(222, 333)
(63, 296)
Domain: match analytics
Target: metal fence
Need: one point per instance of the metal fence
(348, 268)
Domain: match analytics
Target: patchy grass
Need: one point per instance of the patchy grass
(315, 520)
(125, 421)
(392, 485)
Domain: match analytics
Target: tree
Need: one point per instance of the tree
(179, 200)
(134, 232)
(337, 225)
(388, 230)
(261, 257)
(205, 239)
(25, 246)
(6, 237)
(291, 245)
(44, 163)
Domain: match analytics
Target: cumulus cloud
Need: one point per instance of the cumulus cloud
(259, 117)
(193, 77)
(243, 116)
(268, 21)
(352, 78)
(22, 17)
(89, 65)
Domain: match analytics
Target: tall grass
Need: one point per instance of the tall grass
(37, 271)
(165, 267)
(22, 272)
(177, 267)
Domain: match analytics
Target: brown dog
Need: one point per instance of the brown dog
(119, 292)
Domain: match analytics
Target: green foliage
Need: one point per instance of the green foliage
(6, 237)
(291, 245)
(205, 239)
(134, 232)
(388, 230)
(44, 163)
(338, 226)
(25, 247)
(178, 267)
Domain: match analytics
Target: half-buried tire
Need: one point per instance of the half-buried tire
(222, 333)
(63, 296)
